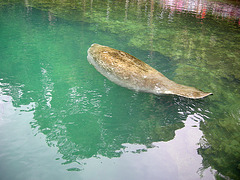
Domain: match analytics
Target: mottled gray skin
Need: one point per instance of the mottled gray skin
(132, 73)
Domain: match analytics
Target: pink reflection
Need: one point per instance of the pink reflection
(203, 7)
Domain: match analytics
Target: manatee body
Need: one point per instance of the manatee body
(132, 73)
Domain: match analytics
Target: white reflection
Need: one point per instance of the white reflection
(48, 87)
(8, 111)
(175, 159)
(126, 9)
(108, 10)
(82, 101)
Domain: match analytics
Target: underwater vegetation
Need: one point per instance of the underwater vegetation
(204, 49)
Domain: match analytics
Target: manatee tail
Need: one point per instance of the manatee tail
(188, 92)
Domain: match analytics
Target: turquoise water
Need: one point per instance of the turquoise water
(61, 119)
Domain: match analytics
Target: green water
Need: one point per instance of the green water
(61, 119)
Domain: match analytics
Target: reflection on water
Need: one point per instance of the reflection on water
(84, 123)
(45, 75)
(87, 121)
(203, 7)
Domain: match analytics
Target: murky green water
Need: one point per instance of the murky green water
(61, 119)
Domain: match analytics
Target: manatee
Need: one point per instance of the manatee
(132, 73)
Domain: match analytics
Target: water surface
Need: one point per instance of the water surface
(61, 119)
